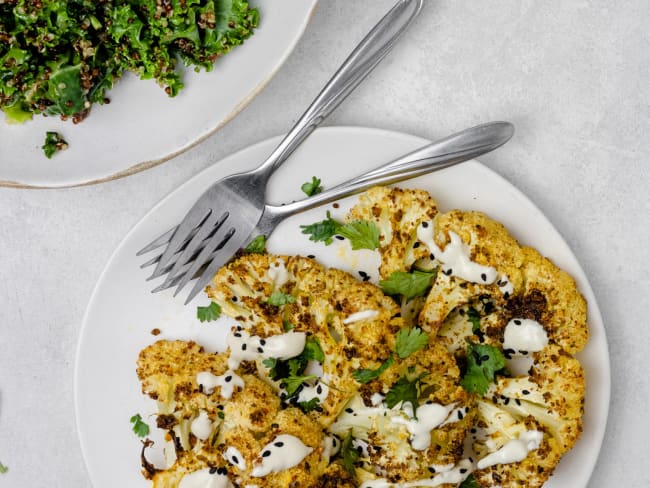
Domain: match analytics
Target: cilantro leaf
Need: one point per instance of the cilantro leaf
(309, 406)
(278, 299)
(410, 341)
(257, 245)
(221, 415)
(483, 362)
(470, 482)
(404, 390)
(349, 453)
(367, 375)
(313, 351)
(475, 319)
(312, 187)
(362, 234)
(140, 428)
(209, 313)
(3, 468)
(409, 285)
(53, 143)
(322, 231)
(287, 326)
(292, 383)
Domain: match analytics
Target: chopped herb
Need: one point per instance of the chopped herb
(292, 383)
(322, 231)
(312, 187)
(409, 285)
(310, 405)
(313, 351)
(469, 482)
(287, 325)
(279, 299)
(475, 319)
(209, 313)
(257, 245)
(349, 453)
(3, 468)
(53, 143)
(409, 341)
(367, 375)
(221, 415)
(404, 390)
(362, 234)
(140, 428)
(483, 362)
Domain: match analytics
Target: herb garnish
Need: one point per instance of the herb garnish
(349, 453)
(312, 187)
(410, 341)
(367, 375)
(53, 143)
(3, 468)
(209, 313)
(483, 362)
(279, 299)
(405, 390)
(469, 482)
(475, 319)
(409, 285)
(140, 428)
(257, 245)
(362, 234)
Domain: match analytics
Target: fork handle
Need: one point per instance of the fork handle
(372, 49)
(454, 149)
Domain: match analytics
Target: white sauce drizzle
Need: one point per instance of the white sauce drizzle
(234, 457)
(279, 274)
(204, 479)
(227, 381)
(514, 451)
(331, 446)
(430, 416)
(201, 426)
(455, 258)
(361, 315)
(244, 347)
(284, 452)
(317, 389)
(376, 399)
(524, 336)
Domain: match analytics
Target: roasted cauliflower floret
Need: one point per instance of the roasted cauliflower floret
(397, 213)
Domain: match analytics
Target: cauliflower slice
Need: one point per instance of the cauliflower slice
(397, 213)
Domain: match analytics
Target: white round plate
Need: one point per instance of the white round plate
(142, 126)
(122, 311)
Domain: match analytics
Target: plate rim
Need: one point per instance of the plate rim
(579, 275)
(145, 165)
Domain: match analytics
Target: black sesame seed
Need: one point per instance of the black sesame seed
(525, 392)
(266, 453)
(359, 449)
(525, 353)
(319, 389)
(234, 299)
(222, 471)
(363, 274)
(471, 460)
(349, 410)
(518, 401)
(278, 444)
(340, 238)
(416, 245)
(260, 350)
(483, 276)
(448, 272)
(228, 378)
(425, 224)
(235, 460)
(473, 430)
(213, 470)
(311, 256)
(243, 347)
(460, 415)
(463, 470)
(506, 401)
(506, 295)
(517, 322)
(263, 342)
(432, 257)
(219, 407)
(432, 470)
(237, 334)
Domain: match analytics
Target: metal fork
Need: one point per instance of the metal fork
(446, 152)
(224, 212)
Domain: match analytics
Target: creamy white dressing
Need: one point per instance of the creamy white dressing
(313, 368)
(455, 258)
(227, 381)
(234, 457)
(201, 426)
(505, 286)
(514, 450)
(203, 478)
(314, 389)
(376, 399)
(331, 446)
(278, 273)
(450, 474)
(429, 416)
(524, 335)
(284, 452)
(244, 347)
(359, 316)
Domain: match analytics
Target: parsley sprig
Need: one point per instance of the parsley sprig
(408, 341)
(483, 363)
(312, 187)
(470, 482)
(209, 313)
(475, 319)
(257, 245)
(349, 453)
(279, 299)
(409, 285)
(3, 468)
(140, 428)
(362, 234)
(405, 390)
